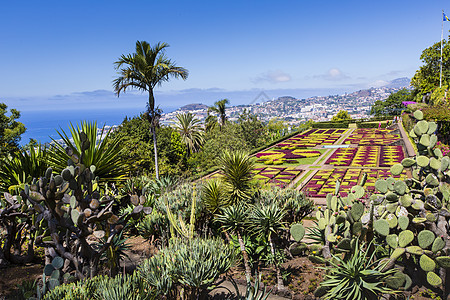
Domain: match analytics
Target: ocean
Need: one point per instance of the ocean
(42, 125)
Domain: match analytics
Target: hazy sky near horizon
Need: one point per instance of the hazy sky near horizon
(51, 49)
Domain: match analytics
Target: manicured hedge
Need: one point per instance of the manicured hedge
(370, 124)
(331, 124)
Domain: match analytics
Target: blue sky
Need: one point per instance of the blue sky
(54, 53)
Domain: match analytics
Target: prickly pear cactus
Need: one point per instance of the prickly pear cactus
(410, 218)
(73, 211)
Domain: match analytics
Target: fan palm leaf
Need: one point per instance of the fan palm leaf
(190, 131)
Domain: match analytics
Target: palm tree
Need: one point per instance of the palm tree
(190, 131)
(266, 221)
(144, 70)
(219, 108)
(235, 219)
(236, 168)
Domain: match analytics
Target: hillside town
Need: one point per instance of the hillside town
(296, 111)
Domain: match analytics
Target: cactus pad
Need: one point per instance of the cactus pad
(392, 220)
(381, 186)
(75, 215)
(357, 228)
(397, 169)
(58, 262)
(357, 211)
(397, 253)
(427, 264)
(443, 261)
(438, 244)
(425, 238)
(344, 244)
(414, 250)
(417, 204)
(297, 248)
(48, 269)
(403, 222)
(358, 191)
(322, 224)
(432, 126)
(381, 226)
(423, 126)
(405, 237)
(392, 240)
(391, 197)
(297, 232)
(406, 200)
(418, 114)
(433, 141)
(400, 187)
(445, 162)
(432, 180)
(422, 161)
(425, 140)
(408, 162)
(433, 279)
(316, 259)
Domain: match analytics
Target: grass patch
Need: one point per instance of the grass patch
(300, 181)
(324, 156)
(315, 167)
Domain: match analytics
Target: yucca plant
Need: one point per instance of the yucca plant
(22, 168)
(101, 151)
(236, 168)
(235, 219)
(213, 196)
(360, 277)
(267, 221)
(252, 292)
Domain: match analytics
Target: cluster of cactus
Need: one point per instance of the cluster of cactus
(408, 217)
(71, 210)
(339, 222)
(53, 271)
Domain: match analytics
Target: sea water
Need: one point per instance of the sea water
(43, 125)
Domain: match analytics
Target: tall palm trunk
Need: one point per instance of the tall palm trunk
(152, 116)
(153, 129)
(248, 271)
(280, 285)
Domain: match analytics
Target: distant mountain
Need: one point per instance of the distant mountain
(403, 82)
(193, 106)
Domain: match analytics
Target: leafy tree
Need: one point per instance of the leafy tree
(342, 115)
(190, 131)
(144, 70)
(252, 129)
(137, 147)
(10, 130)
(392, 106)
(426, 79)
(219, 108)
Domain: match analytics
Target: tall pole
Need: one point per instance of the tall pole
(442, 38)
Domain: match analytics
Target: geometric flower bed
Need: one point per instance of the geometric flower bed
(279, 156)
(391, 155)
(367, 156)
(312, 138)
(372, 136)
(324, 181)
(280, 176)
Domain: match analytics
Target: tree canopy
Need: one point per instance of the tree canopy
(10, 130)
(342, 115)
(393, 105)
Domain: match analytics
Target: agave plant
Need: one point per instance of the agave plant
(101, 151)
(360, 277)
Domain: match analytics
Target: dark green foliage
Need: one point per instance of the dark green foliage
(10, 131)
(392, 106)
